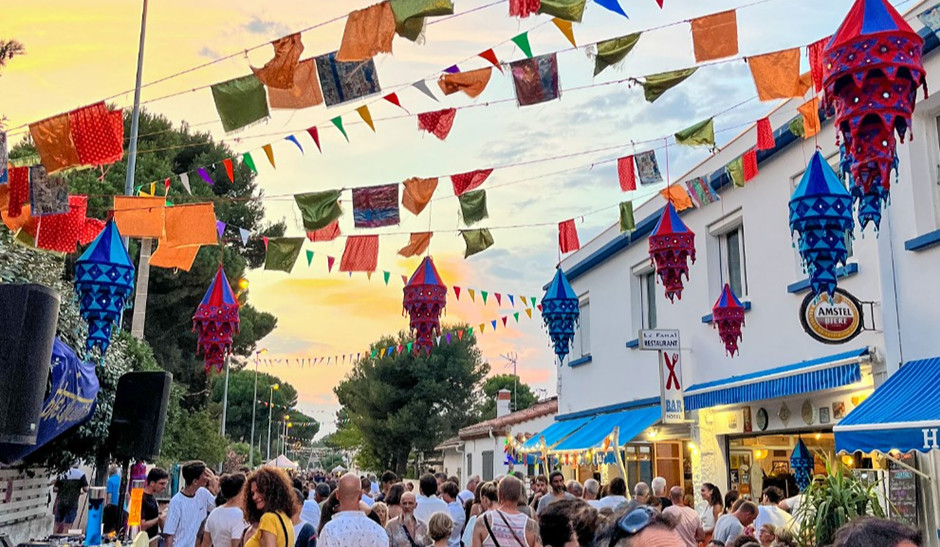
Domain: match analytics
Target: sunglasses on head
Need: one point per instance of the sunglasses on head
(633, 523)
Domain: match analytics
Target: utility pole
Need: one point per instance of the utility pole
(146, 244)
(512, 358)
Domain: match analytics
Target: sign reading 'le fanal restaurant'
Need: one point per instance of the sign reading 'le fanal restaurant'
(666, 342)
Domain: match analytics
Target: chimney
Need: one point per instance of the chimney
(503, 398)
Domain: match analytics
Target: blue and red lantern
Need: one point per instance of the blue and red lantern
(871, 71)
(560, 314)
(216, 322)
(671, 246)
(728, 318)
(424, 300)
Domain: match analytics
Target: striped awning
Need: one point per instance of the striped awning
(554, 434)
(630, 423)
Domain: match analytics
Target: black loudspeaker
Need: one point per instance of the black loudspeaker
(28, 317)
(139, 415)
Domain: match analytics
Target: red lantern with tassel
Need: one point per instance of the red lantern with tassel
(216, 321)
(728, 317)
(424, 301)
(671, 245)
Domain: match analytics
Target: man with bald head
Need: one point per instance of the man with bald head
(406, 530)
(505, 525)
(688, 523)
(350, 527)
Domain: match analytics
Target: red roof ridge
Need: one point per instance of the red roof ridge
(542, 408)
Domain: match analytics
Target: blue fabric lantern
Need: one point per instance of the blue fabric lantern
(821, 211)
(802, 464)
(868, 203)
(560, 313)
(104, 280)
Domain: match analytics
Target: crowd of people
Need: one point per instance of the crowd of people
(269, 508)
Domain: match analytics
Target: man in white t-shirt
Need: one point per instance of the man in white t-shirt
(428, 502)
(617, 494)
(189, 507)
(688, 523)
(366, 486)
(470, 492)
(770, 513)
(226, 523)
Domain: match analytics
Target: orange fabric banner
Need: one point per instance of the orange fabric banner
(715, 36)
(305, 92)
(810, 112)
(472, 83)
(53, 140)
(777, 75)
(360, 255)
(368, 32)
(677, 195)
(139, 216)
(180, 258)
(279, 71)
(417, 244)
(4, 197)
(188, 225)
(327, 233)
(418, 193)
(24, 221)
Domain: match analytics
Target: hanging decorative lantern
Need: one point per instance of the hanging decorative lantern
(104, 280)
(871, 71)
(216, 322)
(802, 464)
(728, 317)
(671, 245)
(560, 313)
(425, 300)
(821, 211)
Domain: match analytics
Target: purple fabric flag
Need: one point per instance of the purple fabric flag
(220, 226)
(448, 338)
(452, 69)
(536, 79)
(375, 206)
(205, 176)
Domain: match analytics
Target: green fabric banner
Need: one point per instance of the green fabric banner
(240, 102)
(796, 127)
(522, 41)
(736, 171)
(569, 10)
(319, 209)
(282, 253)
(611, 52)
(338, 122)
(477, 241)
(250, 162)
(627, 224)
(657, 84)
(473, 206)
(410, 14)
(701, 133)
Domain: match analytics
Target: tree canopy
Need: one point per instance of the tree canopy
(524, 397)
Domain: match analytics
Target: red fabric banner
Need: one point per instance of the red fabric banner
(765, 135)
(626, 173)
(464, 182)
(750, 165)
(568, 236)
(361, 254)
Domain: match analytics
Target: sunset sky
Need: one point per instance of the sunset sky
(81, 51)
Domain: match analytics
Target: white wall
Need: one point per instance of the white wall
(476, 447)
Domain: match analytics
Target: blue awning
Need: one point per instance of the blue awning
(902, 414)
(631, 423)
(804, 377)
(553, 434)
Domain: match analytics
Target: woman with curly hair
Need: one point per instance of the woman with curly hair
(269, 504)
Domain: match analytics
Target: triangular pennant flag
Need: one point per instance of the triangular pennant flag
(473, 295)
(490, 56)
(482, 327)
(184, 180)
(493, 322)
(404, 280)
(369, 276)
(387, 275)
(512, 300)
(448, 338)
(422, 86)
(469, 331)
(612, 5)
(247, 160)
(294, 140)
(309, 258)
(528, 311)
(269, 152)
(534, 300)
(220, 227)
(373, 354)
(484, 294)
(524, 300)
(460, 335)
(229, 169)
(366, 116)
(516, 316)
(329, 263)
(408, 346)
(166, 183)
(315, 135)
(438, 340)
(244, 235)
(202, 173)
(504, 318)
(401, 348)
(499, 299)
(457, 292)
(565, 28)
(452, 69)
(338, 122)
(393, 98)
(522, 40)
(265, 240)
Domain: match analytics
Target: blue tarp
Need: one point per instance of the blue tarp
(902, 414)
(553, 434)
(631, 423)
(794, 379)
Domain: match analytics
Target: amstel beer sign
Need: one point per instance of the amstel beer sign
(832, 321)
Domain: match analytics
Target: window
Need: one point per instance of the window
(581, 344)
(487, 465)
(469, 464)
(733, 262)
(648, 299)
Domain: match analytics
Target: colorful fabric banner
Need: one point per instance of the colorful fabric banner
(796, 126)
(327, 233)
(568, 10)
(139, 216)
(375, 206)
(437, 123)
(701, 192)
(303, 94)
(343, 82)
(476, 241)
(815, 53)
(735, 171)
(203, 174)
(47, 195)
(53, 140)
(715, 36)
(61, 232)
(472, 83)
(244, 235)
(368, 32)
(611, 52)
(190, 224)
(627, 222)
(338, 122)
(810, 112)
(648, 168)
(410, 14)
(536, 79)
(279, 71)
(777, 75)
(179, 258)
(523, 8)
(473, 206)
(282, 253)
(360, 255)
(240, 102)
(655, 85)
(765, 135)
(18, 191)
(417, 194)
(696, 135)
(465, 182)
(677, 196)
(568, 236)
(417, 244)
(318, 209)
(626, 173)
(749, 165)
(98, 134)
(315, 135)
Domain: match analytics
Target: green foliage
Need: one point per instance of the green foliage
(524, 396)
(406, 401)
(190, 434)
(831, 501)
(9, 49)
